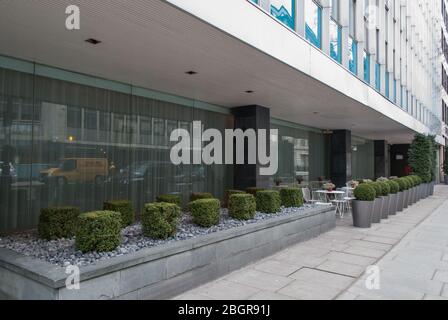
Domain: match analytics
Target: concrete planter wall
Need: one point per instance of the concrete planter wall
(393, 204)
(165, 271)
(400, 201)
(377, 210)
(405, 198)
(386, 207)
(362, 213)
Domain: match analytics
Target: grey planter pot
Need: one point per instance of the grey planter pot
(431, 188)
(362, 213)
(386, 207)
(446, 179)
(413, 195)
(405, 198)
(400, 201)
(393, 204)
(377, 209)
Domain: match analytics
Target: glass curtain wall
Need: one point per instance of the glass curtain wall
(65, 144)
(363, 155)
(302, 153)
(313, 23)
(284, 11)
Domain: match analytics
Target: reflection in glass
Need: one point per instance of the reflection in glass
(335, 41)
(284, 11)
(313, 23)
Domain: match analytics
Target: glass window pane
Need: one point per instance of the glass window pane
(284, 11)
(313, 23)
(353, 55)
(335, 41)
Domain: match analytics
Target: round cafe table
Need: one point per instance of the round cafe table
(329, 194)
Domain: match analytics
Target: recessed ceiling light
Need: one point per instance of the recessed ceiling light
(315, 112)
(249, 91)
(93, 41)
(191, 72)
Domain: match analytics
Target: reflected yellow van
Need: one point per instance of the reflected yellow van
(79, 170)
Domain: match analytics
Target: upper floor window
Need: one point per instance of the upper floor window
(313, 23)
(353, 55)
(366, 67)
(335, 40)
(284, 11)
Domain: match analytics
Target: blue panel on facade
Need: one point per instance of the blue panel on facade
(366, 67)
(313, 23)
(378, 77)
(335, 41)
(353, 56)
(284, 11)
(387, 85)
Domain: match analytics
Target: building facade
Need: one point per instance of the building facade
(86, 115)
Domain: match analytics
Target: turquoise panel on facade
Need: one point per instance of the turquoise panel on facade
(284, 11)
(366, 67)
(353, 56)
(313, 23)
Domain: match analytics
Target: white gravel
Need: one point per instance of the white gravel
(62, 252)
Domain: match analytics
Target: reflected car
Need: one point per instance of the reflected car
(78, 170)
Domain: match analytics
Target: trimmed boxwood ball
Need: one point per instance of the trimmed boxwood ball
(291, 197)
(124, 207)
(228, 194)
(376, 186)
(98, 231)
(385, 188)
(394, 187)
(268, 201)
(405, 183)
(401, 183)
(160, 220)
(170, 198)
(200, 195)
(57, 222)
(253, 190)
(365, 192)
(242, 206)
(205, 212)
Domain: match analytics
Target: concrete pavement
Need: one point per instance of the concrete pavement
(411, 250)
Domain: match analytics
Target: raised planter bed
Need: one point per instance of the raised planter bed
(162, 271)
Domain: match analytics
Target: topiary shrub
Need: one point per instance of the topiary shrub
(57, 222)
(205, 212)
(291, 197)
(411, 182)
(385, 188)
(365, 192)
(242, 206)
(124, 207)
(401, 183)
(253, 190)
(420, 157)
(376, 186)
(160, 220)
(394, 186)
(98, 231)
(170, 198)
(228, 194)
(200, 195)
(268, 201)
(406, 183)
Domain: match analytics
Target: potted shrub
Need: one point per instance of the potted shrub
(363, 206)
(299, 180)
(400, 194)
(278, 181)
(394, 189)
(378, 202)
(329, 186)
(385, 191)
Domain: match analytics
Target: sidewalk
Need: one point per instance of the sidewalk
(410, 249)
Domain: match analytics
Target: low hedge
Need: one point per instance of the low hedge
(205, 212)
(365, 192)
(160, 220)
(291, 197)
(200, 195)
(57, 222)
(124, 207)
(253, 190)
(98, 231)
(228, 194)
(385, 188)
(242, 206)
(394, 186)
(268, 201)
(170, 198)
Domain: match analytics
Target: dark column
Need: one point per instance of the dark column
(382, 163)
(399, 159)
(250, 117)
(341, 157)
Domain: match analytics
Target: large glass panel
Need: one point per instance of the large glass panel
(366, 67)
(284, 11)
(387, 85)
(377, 77)
(335, 41)
(353, 55)
(362, 158)
(301, 154)
(74, 145)
(313, 23)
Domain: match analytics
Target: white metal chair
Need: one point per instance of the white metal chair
(340, 203)
(322, 199)
(349, 197)
(308, 197)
